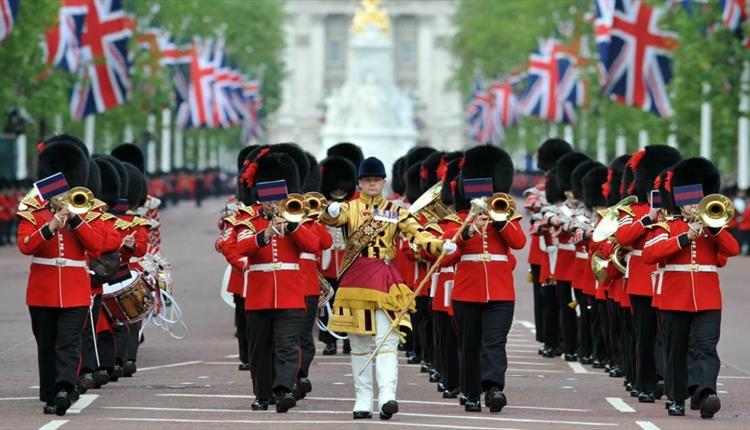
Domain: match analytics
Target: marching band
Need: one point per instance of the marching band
(623, 261)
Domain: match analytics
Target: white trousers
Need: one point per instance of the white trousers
(386, 365)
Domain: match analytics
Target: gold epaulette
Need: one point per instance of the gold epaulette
(92, 215)
(662, 224)
(107, 216)
(140, 221)
(231, 220)
(433, 225)
(248, 210)
(29, 202)
(515, 217)
(97, 204)
(28, 216)
(121, 224)
(455, 218)
(247, 223)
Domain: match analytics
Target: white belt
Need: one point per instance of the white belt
(567, 246)
(582, 255)
(484, 257)
(690, 268)
(59, 262)
(636, 252)
(272, 267)
(307, 256)
(447, 269)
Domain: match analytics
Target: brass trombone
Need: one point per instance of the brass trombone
(291, 208)
(314, 203)
(715, 210)
(79, 201)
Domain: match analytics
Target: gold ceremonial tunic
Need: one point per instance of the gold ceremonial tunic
(368, 280)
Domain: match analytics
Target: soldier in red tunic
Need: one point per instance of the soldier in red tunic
(632, 232)
(58, 292)
(689, 253)
(483, 295)
(275, 299)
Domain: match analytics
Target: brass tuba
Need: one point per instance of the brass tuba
(599, 266)
(314, 203)
(618, 258)
(500, 206)
(610, 218)
(430, 206)
(78, 201)
(291, 208)
(715, 210)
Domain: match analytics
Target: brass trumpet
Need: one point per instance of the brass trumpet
(715, 210)
(78, 201)
(291, 208)
(314, 203)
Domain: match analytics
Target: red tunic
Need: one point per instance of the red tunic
(58, 286)
(484, 281)
(632, 233)
(332, 257)
(690, 281)
(274, 267)
(308, 262)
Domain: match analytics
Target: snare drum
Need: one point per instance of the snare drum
(129, 301)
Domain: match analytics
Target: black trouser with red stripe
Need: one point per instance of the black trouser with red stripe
(240, 326)
(599, 331)
(614, 332)
(538, 301)
(584, 301)
(644, 326)
(551, 311)
(273, 336)
(306, 341)
(447, 349)
(424, 329)
(483, 334)
(58, 335)
(567, 317)
(627, 343)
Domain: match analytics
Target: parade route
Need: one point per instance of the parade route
(194, 383)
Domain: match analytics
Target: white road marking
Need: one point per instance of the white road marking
(339, 383)
(232, 356)
(34, 387)
(53, 425)
(341, 399)
(203, 377)
(577, 367)
(734, 377)
(620, 404)
(164, 366)
(528, 324)
(389, 423)
(528, 363)
(18, 398)
(403, 414)
(647, 425)
(82, 403)
(722, 392)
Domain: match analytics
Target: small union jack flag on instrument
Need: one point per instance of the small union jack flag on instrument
(8, 11)
(51, 186)
(477, 188)
(687, 194)
(271, 191)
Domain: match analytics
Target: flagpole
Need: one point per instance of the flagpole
(127, 133)
(743, 146)
(568, 135)
(672, 138)
(89, 132)
(601, 144)
(179, 157)
(642, 139)
(58, 123)
(150, 144)
(21, 168)
(706, 124)
(621, 145)
(166, 132)
(201, 150)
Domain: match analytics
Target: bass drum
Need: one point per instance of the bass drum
(129, 301)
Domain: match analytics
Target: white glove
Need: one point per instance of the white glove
(334, 209)
(449, 247)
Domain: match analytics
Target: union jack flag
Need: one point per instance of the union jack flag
(638, 64)
(253, 105)
(200, 88)
(603, 17)
(8, 11)
(105, 70)
(62, 42)
(223, 111)
(553, 87)
(483, 127)
(733, 14)
(504, 104)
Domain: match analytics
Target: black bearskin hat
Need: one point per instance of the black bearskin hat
(111, 190)
(291, 149)
(592, 181)
(65, 138)
(565, 167)
(131, 154)
(615, 176)
(413, 190)
(696, 170)
(485, 161)
(242, 155)
(432, 166)
(338, 173)
(552, 191)
(312, 183)
(121, 172)
(277, 166)
(398, 185)
(448, 177)
(66, 158)
(578, 173)
(550, 151)
(647, 164)
(136, 185)
(660, 183)
(347, 150)
(94, 182)
(417, 154)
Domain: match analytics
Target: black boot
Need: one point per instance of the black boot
(388, 410)
(646, 397)
(101, 377)
(710, 406)
(450, 393)
(346, 348)
(495, 399)
(86, 382)
(129, 368)
(330, 349)
(677, 409)
(284, 402)
(362, 415)
(259, 405)
(62, 403)
(243, 366)
(473, 405)
(49, 408)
